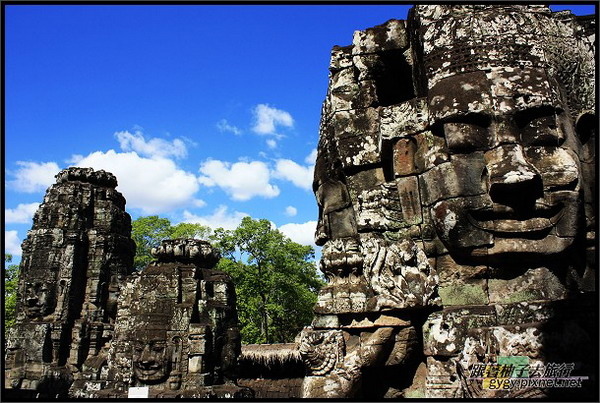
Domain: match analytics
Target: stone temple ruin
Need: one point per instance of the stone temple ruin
(456, 186)
(75, 257)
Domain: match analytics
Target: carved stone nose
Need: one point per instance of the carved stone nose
(147, 358)
(512, 180)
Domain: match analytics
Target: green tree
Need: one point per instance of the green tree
(275, 279)
(190, 230)
(11, 283)
(148, 232)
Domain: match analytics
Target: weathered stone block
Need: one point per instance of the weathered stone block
(379, 208)
(357, 138)
(410, 200)
(365, 179)
(405, 119)
(388, 36)
(455, 228)
(444, 332)
(534, 285)
(451, 272)
(399, 274)
(403, 156)
(442, 380)
(341, 58)
(460, 178)
(431, 151)
(367, 95)
(445, 102)
(326, 322)
(472, 292)
(405, 343)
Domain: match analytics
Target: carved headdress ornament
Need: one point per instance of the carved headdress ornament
(458, 39)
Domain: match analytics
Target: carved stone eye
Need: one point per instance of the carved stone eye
(466, 137)
(539, 127)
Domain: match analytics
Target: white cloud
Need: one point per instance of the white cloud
(199, 203)
(153, 148)
(220, 218)
(271, 143)
(34, 177)
(224, 126)
(291, 211)
(303, 234)
(312, 157)
(153, 185)
(267, 118)
(12, 243)
(23, 214)
(299, 175)
(241, 180)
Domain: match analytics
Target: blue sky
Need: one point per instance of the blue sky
(205, 113)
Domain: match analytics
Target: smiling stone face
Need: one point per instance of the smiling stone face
(511, 182)
(40, 298)
(453, 169)
(152, 357)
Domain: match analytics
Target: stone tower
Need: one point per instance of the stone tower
(455, 185)
(176, 332)
(74, 258)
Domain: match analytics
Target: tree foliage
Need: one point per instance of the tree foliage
(275, 278)
(11, 283)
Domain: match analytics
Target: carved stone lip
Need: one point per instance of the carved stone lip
(501, 219)
(148, 370)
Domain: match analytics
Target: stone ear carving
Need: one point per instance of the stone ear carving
(585, 125)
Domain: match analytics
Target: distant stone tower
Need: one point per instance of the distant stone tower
(176, 332)
(76, 254)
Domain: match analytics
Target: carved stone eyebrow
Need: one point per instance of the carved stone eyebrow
(523, 117)
(477, 118)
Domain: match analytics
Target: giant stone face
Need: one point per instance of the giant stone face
(514, 148)
(151, 356)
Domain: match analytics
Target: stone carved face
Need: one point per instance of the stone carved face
(336, 228)
(152, 357)
(513, 152)
(39, 298)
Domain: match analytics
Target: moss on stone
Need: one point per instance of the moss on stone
(415, 394)
(463, 294)
(520, 296)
